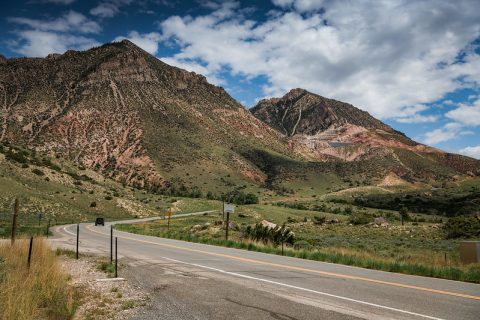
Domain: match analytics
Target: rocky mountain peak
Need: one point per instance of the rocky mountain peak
(295, 93)
(302, 112)
(3, 59)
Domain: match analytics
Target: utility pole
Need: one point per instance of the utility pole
(48, 228)
(30, 252)
(14, 221)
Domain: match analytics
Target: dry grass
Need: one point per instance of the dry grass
(41, 292)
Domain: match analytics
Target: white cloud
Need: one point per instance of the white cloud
(301, 5)
(448, 132)
(71, 21)
(383, 57)
(109, 8)
(53, 35)
(105, 10)
(64, 2)
(38, 43)
(473, 152)
(147, 41)
(282, 3)
(466, 114)
(417, 118)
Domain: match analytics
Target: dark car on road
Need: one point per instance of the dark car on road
(99, 222)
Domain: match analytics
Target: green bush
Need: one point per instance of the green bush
(38, 172)
(17, 156)
(360, 218)
(319, 219)
(302, 244)
(462, 227)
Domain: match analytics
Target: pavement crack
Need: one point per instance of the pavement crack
(273, 314)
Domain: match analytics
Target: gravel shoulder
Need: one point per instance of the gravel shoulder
(100, 297)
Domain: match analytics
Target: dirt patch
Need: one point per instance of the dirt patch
(393, 180)
(101, 299)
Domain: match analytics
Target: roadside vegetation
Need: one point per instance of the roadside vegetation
(39, 292)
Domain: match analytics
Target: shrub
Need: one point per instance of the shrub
(17, 156)
(319, 219)
(360, 218)
(302, 244)
(38, 172)
(239, 197)
(348, 210)
(93, 204)
(462, 227)
(266, 234)
(291, 220)
(404, 214)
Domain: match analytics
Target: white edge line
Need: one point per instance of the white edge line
(70, 233)
(305, 289)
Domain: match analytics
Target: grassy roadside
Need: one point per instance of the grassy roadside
(346, 257)
(41, 292)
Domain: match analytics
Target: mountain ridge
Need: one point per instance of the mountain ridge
(132, 117)
(116, 108)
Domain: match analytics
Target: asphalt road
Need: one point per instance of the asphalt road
(307, 289)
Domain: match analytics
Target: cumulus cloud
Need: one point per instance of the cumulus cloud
(473, 152)
(466, 114)
(64, 2)
(71, 21)
(147, 41)
(42, 37)
(418, 118)
(109, 8)
(465, 117)
(383, 57)
(37, 43)
(448, 132)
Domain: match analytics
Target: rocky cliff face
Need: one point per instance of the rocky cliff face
(302, 112)
(323, 129)
(124, 112)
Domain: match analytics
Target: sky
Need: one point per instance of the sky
(413, 64)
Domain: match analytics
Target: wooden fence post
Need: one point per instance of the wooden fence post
(14, 222)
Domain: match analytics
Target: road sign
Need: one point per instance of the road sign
(169, 213)
(229, 207)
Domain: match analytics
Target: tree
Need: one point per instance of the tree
(404, 214)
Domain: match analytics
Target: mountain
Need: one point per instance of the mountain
(121, 111)
(323, 129)
(129, 116)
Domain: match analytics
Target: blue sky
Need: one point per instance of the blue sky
(413, 64)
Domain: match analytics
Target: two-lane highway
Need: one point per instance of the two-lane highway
(348, 290)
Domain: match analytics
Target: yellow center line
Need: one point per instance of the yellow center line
(332, 274)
